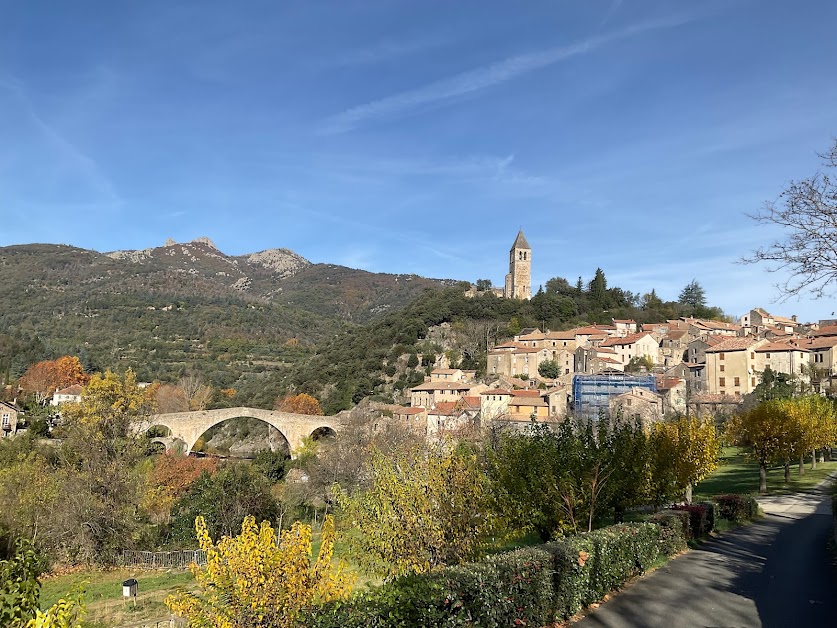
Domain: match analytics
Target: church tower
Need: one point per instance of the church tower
(519, 279)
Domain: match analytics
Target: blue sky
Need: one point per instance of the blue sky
(417, 137)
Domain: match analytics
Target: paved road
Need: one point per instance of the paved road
(776, 572)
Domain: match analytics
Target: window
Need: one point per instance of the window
(752, 355)
(721, 356)
(722, 368)
(738, 381)
(753, 382)
(722, 381)
(7, 420)
(767, 355)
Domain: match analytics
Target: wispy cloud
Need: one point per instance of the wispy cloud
(64, 155)
(486, 76)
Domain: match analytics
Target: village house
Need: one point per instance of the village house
(673, 346)
(631, 346)
(8, 419)
(513, 358)
(783, 357)
(452, 416)
(696, 349)
(594, 360)
(731, 366)
(71, 394)
(431, 393)
(673, 392)
(823, 355)
(413, 418)
(713, 404)
(639, 404)
(699, 326)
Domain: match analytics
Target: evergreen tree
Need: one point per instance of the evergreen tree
(693, 294)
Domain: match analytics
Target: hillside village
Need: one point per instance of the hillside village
(684, 366)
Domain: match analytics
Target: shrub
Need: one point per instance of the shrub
(573, 561)
(622, 551)
(736, 507)
(674, 530)
(527, 587)
(698, 519)
(515, 588)
(710, 514)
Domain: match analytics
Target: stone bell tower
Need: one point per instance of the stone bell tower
(519, 279)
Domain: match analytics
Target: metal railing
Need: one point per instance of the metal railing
(163, 560)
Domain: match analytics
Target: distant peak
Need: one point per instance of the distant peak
(206, 241)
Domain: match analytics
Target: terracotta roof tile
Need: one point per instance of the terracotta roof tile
(732, 344)
(779, 347)
(627, 340)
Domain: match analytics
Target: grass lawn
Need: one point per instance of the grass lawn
(739, 474)
(105, 605)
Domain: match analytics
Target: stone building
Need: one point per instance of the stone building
(8, 419)
(519, 279)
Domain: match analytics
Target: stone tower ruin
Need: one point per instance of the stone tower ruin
(519, 279)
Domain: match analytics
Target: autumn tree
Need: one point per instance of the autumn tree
(422, 511)
(42, 379)
(806, 211)
(257, 580)
(763, 430)
(811, 426)
(171, 398)
(170, 479)
(101, 485)
(696, 451)
(302, 403)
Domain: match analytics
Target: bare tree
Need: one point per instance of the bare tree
(197, 393)
(807, 211)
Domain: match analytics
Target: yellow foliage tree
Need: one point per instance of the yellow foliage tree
(685, 452)
(422, 511)
(110, 398)
(250, 580)
(764, 430)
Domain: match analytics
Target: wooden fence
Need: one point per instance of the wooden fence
(162, 560)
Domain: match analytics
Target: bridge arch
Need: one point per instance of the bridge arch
(189, 426)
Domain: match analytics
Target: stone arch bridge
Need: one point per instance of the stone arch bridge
(188, 426)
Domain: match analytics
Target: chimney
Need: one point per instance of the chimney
(793, 318)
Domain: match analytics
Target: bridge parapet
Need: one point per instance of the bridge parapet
(188, 426)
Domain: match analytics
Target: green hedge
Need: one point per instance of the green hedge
(510, 589)
(527, 587)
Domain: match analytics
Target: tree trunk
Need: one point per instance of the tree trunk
(762, 477)
(618, 513)
(828, 453)
(822, 455)
(801, 465)
(688, 494)
(813, 458)
(787, 472)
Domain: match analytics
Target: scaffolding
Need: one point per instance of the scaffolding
(592, 393)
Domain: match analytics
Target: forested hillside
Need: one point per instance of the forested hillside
(181, 308)
(381, 359)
